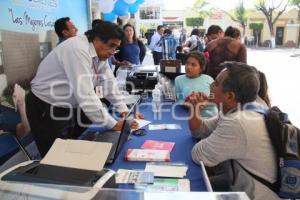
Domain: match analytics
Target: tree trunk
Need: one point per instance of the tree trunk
(244, 31)
(273, 42)
(271, 28)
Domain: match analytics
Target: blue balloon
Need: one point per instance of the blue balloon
(139, 2)
(109, 16)
(133, 8)
(121, 8)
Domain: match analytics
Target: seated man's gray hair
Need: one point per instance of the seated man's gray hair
(243, 80)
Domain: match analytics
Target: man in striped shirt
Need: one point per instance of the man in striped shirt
(168, 44)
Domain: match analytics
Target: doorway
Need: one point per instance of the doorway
(279, 35)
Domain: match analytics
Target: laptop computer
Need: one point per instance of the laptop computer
(34, 172)
(116, 138)
(50, 174)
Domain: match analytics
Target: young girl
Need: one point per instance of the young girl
(195, 81)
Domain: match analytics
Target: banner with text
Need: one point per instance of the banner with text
(40, 15)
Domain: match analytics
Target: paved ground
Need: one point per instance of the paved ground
(282, 68)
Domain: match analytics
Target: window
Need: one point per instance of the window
(150, 13)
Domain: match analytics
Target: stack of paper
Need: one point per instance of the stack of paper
(147, 155)
(159, 145)
(132, 176)
(173, 170)
(170, 185)
(164, 126)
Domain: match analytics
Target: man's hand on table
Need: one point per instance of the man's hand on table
(134, 124)
(137, 115)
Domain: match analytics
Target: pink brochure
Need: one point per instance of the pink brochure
(158, 145)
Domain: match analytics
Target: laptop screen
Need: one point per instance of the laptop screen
(126, 130)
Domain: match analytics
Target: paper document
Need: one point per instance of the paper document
(141, 123)
(78, 154)
(132, 176)
(170, 185)
(164, 126)
(172, 170)
(159, 145)
(147, 155)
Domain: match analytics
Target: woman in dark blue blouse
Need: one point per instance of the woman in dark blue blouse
(131, 49)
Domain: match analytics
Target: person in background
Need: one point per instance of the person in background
(22, 128)
(132, 49)
(194, 81)
(154, 44)
(182, 37)
(224, 49)
(96, 22)
(180, 54)
(64, 29)
(65, 80)
(233, 32)
(235, 135)
(194, 42)
(120, 22)
(263, 97)
(214, 32)
(168, 43)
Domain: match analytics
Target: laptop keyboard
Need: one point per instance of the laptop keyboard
(111, 136)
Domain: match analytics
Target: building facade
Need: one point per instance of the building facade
(286, 28)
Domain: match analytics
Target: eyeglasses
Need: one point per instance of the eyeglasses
(112, 47)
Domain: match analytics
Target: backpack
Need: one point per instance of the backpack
(199, 46)
(285, 139)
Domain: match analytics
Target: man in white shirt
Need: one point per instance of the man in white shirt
(66, 79)
(64, 29)
(236, 134)
(155, 45)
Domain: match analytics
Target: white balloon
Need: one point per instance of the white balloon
(129, 1)
(107, 6)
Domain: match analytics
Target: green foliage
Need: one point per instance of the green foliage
(239, 14)
(200, 4)
(194, 21)
(295, 2)
(256, 26)
(199, 7)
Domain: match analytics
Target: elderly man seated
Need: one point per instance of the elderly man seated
(236, 134)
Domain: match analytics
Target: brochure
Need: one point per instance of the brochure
(133, 176)
(159, 145)
(147, 155)
(170, 185)
(164, 126)
(167, 169)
